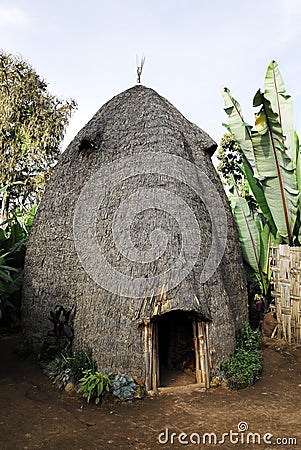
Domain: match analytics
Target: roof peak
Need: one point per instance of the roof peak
(141, 101)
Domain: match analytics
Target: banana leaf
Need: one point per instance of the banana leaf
(14, 284)
(265, 243)
(239, 128)
(271, 149)
(258, 193)
(255, 241)
(244, 138)
(275, 169)
(249, 234)
(298, 161)
(282, 105)
(264, 260)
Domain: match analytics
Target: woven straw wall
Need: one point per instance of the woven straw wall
(286, 281)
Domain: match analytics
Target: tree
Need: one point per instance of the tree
(231, 169)
(32, 126)
(230, 162)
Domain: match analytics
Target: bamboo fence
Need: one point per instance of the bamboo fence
(286, 290)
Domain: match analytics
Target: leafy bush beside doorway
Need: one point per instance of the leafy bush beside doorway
(245, 365)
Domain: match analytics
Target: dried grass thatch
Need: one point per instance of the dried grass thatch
(135, 122)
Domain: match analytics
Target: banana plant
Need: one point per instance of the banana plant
(13, 239)
(254, 236)
(271, 154)
(282, 104)
(10, 282)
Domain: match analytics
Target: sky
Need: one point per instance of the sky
(87, 50)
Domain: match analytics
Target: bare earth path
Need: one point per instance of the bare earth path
(33, 415)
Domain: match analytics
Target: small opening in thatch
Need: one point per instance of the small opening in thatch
(85, 147)
(176, 349)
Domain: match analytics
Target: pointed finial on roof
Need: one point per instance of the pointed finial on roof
(139, 64)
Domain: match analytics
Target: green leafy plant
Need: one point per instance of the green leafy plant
(13, 240)
(80, 361)
(10, 282)
(248, 339)
(255, 238)
(245, 365)
(93, 385)
(270, 155)
(80, 370)
(64, 369)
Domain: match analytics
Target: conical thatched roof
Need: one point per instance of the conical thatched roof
(137, 167)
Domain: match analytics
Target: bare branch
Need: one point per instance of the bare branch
(140, 64)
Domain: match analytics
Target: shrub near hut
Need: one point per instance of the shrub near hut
(245, 365)
(77, 370)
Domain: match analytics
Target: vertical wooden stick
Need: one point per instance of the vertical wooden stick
(198, 373)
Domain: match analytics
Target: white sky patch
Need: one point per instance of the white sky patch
(13, 16)
(193, 48)
(290, 13)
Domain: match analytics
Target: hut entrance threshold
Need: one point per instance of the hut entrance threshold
(176, 350)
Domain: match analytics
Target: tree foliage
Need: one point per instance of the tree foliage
(230, 162)
(32, 126)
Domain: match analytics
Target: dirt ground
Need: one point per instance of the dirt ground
(36, 416)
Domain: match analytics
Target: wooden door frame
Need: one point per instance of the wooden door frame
(151, 352)
(200, 339)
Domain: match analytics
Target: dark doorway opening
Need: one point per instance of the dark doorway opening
(176, 349)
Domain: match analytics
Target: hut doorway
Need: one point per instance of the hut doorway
(176, 350)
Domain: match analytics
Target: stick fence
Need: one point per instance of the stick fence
(286, 291)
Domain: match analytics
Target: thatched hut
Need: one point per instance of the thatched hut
(135, 230)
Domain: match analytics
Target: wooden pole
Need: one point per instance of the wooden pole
(201, 351)
(146, 356)
(208, 362)
(198, 373)
(155, 356)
